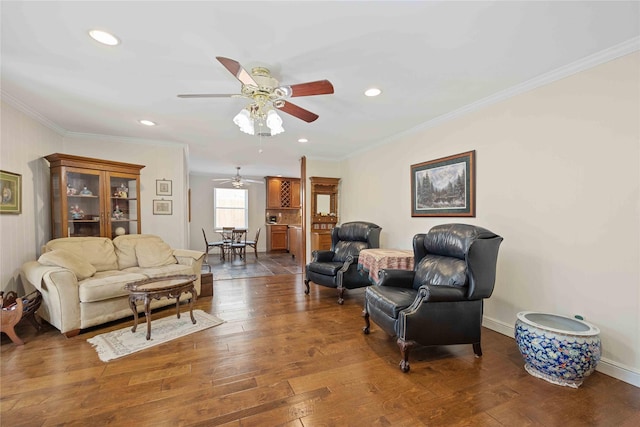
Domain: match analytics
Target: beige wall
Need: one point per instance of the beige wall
(558, 177)
(23, 142)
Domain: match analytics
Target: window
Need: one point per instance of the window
(230, 207)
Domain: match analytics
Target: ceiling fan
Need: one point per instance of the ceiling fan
(237, 181)
(266, 94)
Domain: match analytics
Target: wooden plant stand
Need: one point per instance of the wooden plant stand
(15, 309)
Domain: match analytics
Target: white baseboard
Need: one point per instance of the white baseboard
(605, 366)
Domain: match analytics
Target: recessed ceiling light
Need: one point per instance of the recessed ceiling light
(303, 140)
(374, 91)
(104, 37)
(147, 122)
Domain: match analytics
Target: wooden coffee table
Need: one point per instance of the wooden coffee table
(166, 287)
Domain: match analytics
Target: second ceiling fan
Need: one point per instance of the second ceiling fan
(237, 181)
(266, 94)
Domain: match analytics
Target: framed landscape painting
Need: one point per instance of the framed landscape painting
(444, 187)
(11, 192)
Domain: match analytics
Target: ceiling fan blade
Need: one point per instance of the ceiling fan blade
(298, 112)
(320, 87)
(255, 181)
(236, 69)
(209, 95)
(222, 180)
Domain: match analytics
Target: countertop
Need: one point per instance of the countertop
(288, 225)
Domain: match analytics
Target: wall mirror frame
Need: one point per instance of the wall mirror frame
(324, 199)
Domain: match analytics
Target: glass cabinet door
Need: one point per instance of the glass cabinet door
(124, 213)
(82, 203)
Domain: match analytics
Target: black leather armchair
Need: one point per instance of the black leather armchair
(337, 268)
(440, 301)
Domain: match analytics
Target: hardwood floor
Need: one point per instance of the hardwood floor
(286, 359)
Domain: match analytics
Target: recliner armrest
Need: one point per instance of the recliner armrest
(396, 278)
(322, 256)
(443, 293)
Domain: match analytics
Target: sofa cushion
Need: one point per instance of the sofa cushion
(125, 247)
(64, 258)
(162, 271)
(106, 285)
(151, 253)
(98, 251)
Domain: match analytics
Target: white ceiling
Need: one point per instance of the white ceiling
(429, 58)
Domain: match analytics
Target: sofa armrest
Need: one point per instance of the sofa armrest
(187, 256)
(193, 259)
(60, 296)
(396, 278)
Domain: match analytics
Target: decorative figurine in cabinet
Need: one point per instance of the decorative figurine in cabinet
(100, 198)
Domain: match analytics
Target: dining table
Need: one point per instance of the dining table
(227, 235)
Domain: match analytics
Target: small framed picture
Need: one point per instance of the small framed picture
(11, 193)
(163, 207)
(163, 187)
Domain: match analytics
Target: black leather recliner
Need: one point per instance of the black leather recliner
(440, 301)
(337, 268)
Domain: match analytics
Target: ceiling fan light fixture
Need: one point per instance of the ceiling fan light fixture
(146, 122)
(244, 121)
(104, 37)
(274, 122)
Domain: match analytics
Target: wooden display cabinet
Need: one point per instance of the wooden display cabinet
(93, 197)
(324, 211)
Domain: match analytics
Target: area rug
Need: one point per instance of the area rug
(115, 344)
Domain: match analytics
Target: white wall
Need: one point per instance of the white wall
(23, 142)
(202, 209)
(558, 177)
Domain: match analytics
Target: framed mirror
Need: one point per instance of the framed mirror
(323, 204)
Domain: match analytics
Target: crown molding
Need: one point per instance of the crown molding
(609, 54)
(125, 139)
(20, 106)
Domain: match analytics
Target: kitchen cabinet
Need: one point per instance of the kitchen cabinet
(277, 237)
(295, 241)
(93, 197)
(283, 193)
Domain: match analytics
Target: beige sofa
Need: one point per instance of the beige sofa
(82, 279)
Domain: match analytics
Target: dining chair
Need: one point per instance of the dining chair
(210, 245)
(239, 243)
(226, 236)
(254, 243)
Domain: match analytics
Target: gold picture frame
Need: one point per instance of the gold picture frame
(444, 187)
(10, 192)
